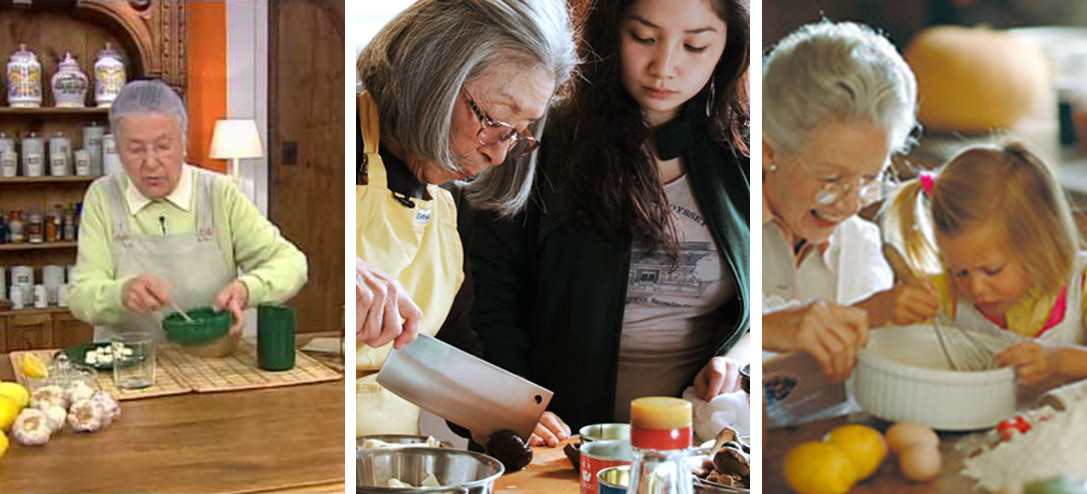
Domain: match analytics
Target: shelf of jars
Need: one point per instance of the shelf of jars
(32, 311)
(7, 110)
(37, 246)
(47, 179)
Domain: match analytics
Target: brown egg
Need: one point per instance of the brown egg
(902, 435)
(919, 463)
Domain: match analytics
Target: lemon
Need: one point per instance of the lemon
(864, 446)
(3, 444)
(817, 467)
(9, 409)
(16, 392)
(34, 367)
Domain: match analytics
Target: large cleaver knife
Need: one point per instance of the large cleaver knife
(463, 389)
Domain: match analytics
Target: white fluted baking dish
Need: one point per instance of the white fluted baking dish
(902, 375)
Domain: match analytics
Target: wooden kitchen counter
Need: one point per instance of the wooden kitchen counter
(778, 442)
(549, 473)
(286, 439)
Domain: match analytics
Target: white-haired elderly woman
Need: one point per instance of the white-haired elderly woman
(838, 100)
(164, 232)
(451, 91)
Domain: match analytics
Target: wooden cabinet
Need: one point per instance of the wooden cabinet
(151, 37)
(28, 331)
(68, 331)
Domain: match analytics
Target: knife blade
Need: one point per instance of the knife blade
(464, 389)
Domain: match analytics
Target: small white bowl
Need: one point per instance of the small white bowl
(902, 375)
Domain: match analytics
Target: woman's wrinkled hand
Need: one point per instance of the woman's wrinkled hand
(235, 298)
(145, 294)
(1031, 360)
(551, 430)
(381, 303)
(829, 332)
(720, 375)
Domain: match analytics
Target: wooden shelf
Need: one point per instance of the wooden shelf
(47, 179)
(6, 110)
(42, 246)
(30, 311)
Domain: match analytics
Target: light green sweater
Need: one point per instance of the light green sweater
(273, 268)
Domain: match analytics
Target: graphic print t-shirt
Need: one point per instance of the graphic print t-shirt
(671, 313)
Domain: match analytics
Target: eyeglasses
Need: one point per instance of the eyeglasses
(493, 132)
(834, 189)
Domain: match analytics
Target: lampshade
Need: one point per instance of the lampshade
(235, 139)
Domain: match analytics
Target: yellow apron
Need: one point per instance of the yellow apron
(418, 246)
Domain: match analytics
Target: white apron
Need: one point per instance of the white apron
(192, 264)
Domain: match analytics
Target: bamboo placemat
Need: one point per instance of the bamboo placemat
(167, 382)
(239, 370)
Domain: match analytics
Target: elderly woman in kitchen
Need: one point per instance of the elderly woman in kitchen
(165, 233)
(452, 90)
(838, 101)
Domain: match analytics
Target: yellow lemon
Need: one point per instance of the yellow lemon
(864, 446)
(3, 444)
(16, 392)
(817, 467)
(9, 409)
(34, 367)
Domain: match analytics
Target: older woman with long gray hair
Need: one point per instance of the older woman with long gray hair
(451, 90)
(838, 101)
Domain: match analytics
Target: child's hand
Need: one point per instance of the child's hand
(901, 305)
(1032, 361)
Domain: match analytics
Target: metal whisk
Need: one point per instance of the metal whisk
(963, 351)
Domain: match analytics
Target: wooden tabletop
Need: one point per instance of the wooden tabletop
(270, 440)
(778, 442)
(549, 473)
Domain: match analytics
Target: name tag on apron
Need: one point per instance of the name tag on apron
(422, 216)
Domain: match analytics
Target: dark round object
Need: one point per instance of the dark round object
(509, 449)
(745, 378)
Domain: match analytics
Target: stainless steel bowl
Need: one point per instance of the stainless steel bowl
(458, 471)
(604, 432)
(404, 439)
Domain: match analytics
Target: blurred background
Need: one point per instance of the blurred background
(986, 69)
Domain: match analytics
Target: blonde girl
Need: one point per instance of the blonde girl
(1005, 255)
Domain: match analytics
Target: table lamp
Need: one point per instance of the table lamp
(235, 140)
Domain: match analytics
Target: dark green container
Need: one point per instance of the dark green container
(207, 325)
(275, 337)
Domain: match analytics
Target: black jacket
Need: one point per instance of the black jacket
(549, 299)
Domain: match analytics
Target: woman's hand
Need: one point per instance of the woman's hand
(235, 298)
(144, 294)
(901, 305)
(1032, 361)
(380, 305)
(720, 375)
(550, 431)
(829, 332)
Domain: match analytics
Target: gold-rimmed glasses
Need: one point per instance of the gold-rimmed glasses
(835, 188)
(493, 132)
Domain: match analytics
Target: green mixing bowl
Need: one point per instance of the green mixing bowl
(207, 326)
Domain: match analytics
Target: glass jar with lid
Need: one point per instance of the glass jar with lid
(109, 76)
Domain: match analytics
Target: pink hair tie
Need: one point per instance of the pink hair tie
(927, 179)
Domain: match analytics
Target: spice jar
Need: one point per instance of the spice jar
(69, 84)
(16, 232)
(24, 79)
(60, 155)
(33, 155)
(109, 76)
(35, 228)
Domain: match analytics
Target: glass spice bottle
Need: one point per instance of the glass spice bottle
(15, 227)
(35, 228)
